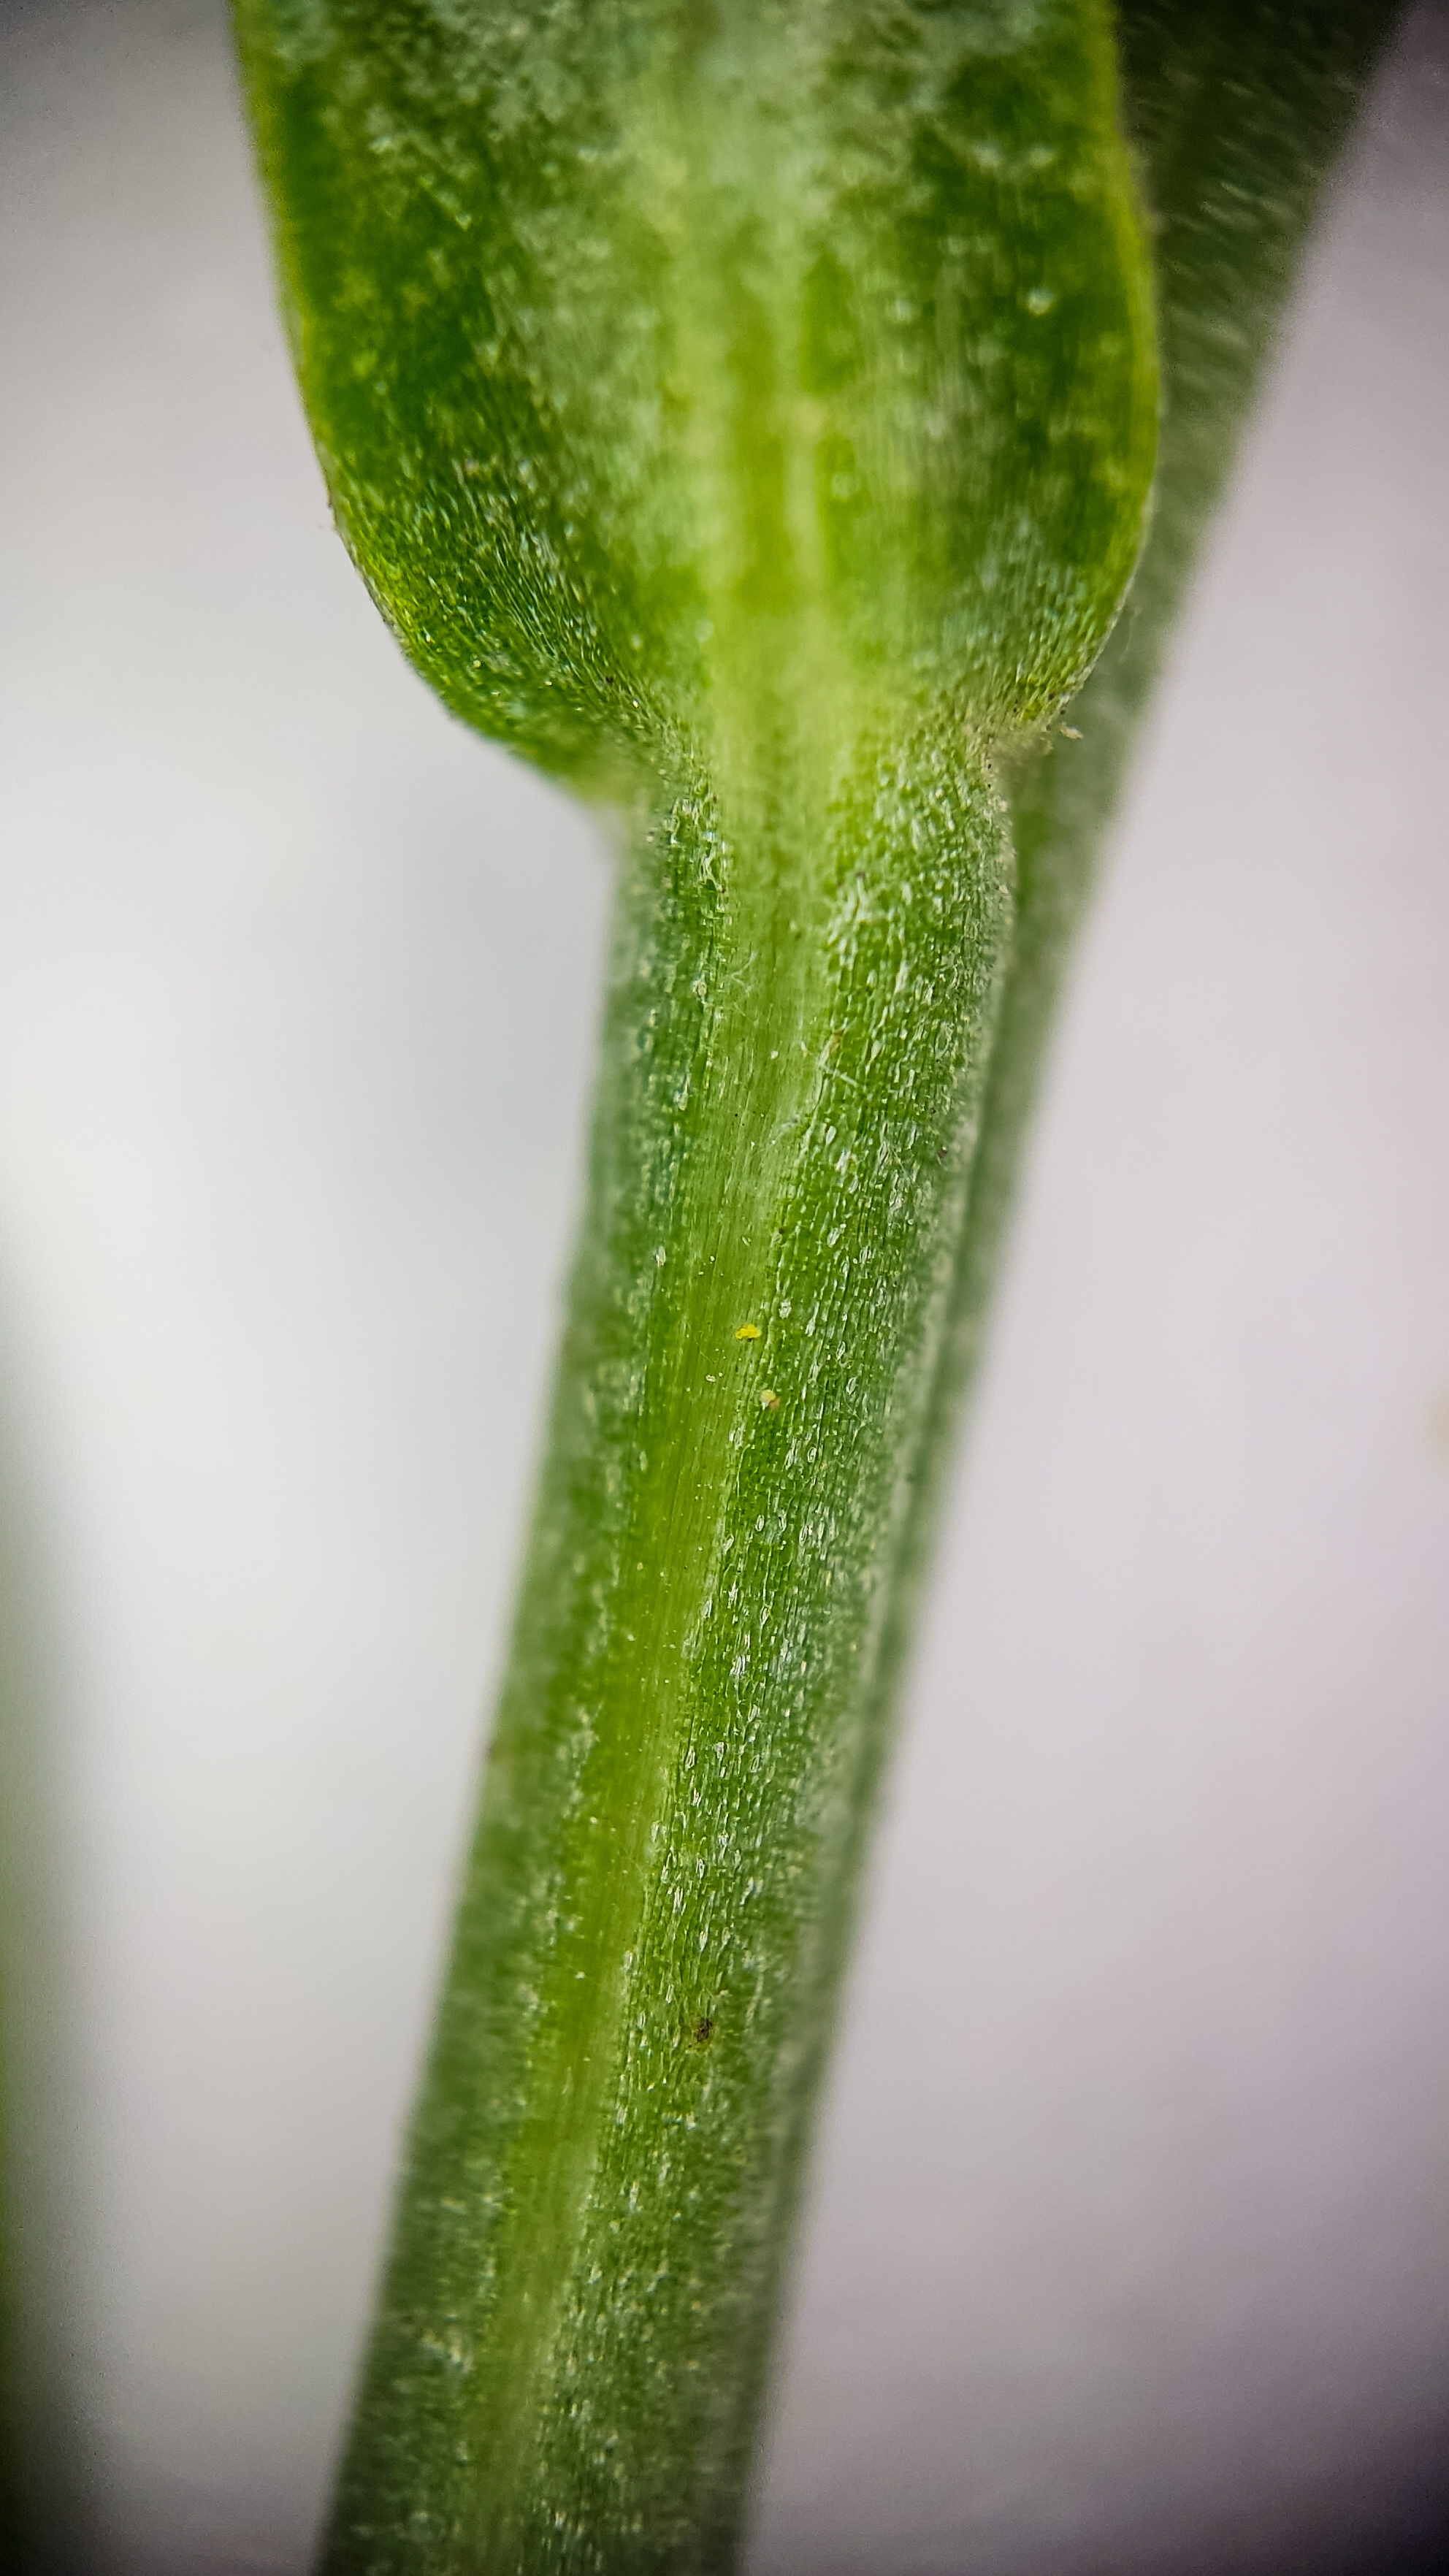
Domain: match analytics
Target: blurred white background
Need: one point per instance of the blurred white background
(1131, 2246)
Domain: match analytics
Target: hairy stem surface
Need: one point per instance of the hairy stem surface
(602, 2159)
(748, 413)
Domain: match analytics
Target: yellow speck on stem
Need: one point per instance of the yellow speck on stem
(748, 1333)
(770, 1400)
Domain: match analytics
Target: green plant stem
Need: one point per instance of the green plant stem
(748, 413)
(602, 2162)
(804, 515)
